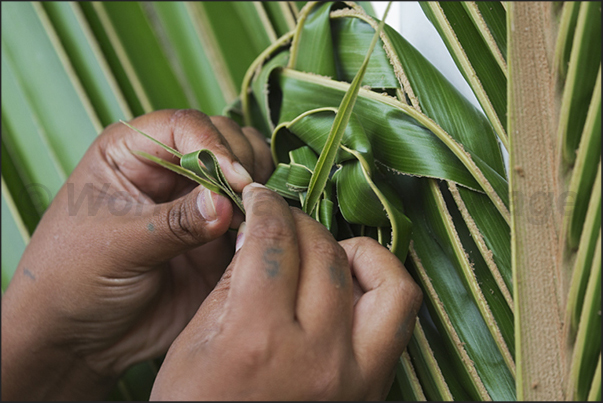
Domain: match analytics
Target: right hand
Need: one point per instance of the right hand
(123, 257)
(284, 321)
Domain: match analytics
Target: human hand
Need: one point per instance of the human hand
(123, 257)
(285, 322)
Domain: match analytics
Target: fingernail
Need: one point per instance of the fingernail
(240, 237)
(206, 206)
(242, 172)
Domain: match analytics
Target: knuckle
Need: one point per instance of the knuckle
(253, 132)
(409, 291)
(109, 135)
(184, 115)
(197, 129)
(329, 250)
(296, 211)
(368, 242)
(113, 126)
(273, 229)
(416, 295)
(224, 121)
(265, 202)
(194, 122)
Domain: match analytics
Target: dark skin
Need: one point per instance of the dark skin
(285, 321)
(138, 268)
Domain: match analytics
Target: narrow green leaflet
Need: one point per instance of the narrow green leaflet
(486, 17)
(443, 103)
(180, 170)
(70, 124)
(26, 144)
(281, 16)
(584, 256)
(350, 37)
(585, 168)
(491, 302)
(14, 237)
(113, 53)
(145, 61)
(567, 27)
(194, 61)
(439, 368)
(88, 61)
(595, 390)
(491, 234)
(167, 148)
(426, 366)
(408, 384)
(235, 34)
(30, 203)
(312, 43)
(585, 59)
(495, 17)
(327, 155)
(588, 339)
(482, 65)
(200, 166)
(479, 363)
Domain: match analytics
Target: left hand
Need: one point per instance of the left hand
(123, 257)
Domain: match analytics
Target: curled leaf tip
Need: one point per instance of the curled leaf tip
(199, 166)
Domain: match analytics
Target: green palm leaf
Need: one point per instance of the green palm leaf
(413, 164)
(450, 131)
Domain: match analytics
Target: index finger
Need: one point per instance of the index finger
(265, 276)
(186, 130)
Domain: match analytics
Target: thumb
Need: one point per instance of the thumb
(166, 230)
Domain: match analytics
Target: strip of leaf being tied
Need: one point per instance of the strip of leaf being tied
(363, 203)
(199, 166)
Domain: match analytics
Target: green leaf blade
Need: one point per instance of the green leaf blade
(326, 159)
